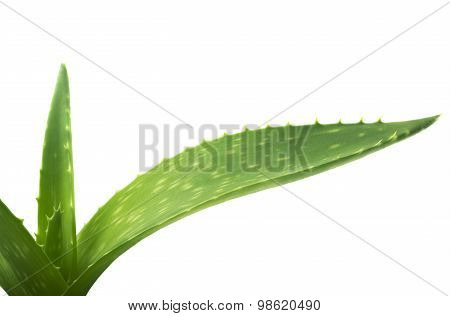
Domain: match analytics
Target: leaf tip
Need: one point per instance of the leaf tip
(428, 121)
(436, 117)
(62, 75)
(63, 68)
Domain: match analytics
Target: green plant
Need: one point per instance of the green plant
(59, 262)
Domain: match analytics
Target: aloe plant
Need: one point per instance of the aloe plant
(60, 262)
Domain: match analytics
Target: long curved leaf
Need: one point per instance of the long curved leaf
(238, 165)
(24, 267)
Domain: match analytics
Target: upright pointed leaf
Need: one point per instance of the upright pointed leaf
(240, 164)
(24, 267)
(56, 193)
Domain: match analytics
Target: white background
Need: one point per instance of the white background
(243, 62)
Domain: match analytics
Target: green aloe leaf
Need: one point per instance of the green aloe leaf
(220, 170)
(24, 267)
(56, 206)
